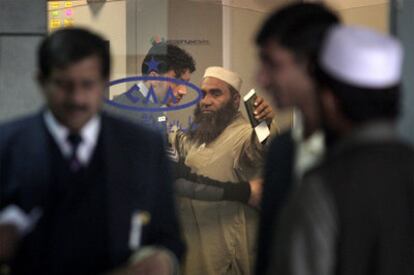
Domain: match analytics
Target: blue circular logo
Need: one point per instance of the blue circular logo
(142, 107)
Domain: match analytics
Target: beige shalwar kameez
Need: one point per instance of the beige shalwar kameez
(221, 236)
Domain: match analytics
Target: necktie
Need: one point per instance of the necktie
(74, 139)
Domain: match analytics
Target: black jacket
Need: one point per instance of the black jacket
(277, 186)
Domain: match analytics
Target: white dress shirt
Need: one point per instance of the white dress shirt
(143, 89)
(89, 134)
(309, 151)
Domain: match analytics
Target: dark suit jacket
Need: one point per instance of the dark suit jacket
(137, 178)
(134, 98)
(277, 185)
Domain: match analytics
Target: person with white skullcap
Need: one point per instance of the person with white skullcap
(354, 213)
(221, 235)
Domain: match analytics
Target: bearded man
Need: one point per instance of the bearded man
(222, 146)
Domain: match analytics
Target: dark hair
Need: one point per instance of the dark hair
(169, 57)
(361, 104)
(67, 46)
(299, 27)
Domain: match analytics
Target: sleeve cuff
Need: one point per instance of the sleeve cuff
(237, 192)
(23, 222)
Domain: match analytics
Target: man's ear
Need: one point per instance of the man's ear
(236, 100)
(310, 67)
(330, 105)
(41, 81)
(40, 78)
(333, 112)
(153, 73)
(153, 82)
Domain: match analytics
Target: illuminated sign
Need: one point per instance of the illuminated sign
(69, 12)
(68, 22)
(55, 23)
(54, 5)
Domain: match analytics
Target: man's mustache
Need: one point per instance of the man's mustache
(76, 107)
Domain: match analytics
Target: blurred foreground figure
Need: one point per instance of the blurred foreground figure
(289, 43)
(353, 215)
(82, 192)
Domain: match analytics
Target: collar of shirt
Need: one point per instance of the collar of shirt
(89, 134)
(143, 89)
(309, 151)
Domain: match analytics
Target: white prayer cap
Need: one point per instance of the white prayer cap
(225, 75)
(362, 57)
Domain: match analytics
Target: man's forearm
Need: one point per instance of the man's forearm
(191, 185)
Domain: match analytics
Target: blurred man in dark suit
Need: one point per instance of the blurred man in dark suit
(82, 192)
(289, 42)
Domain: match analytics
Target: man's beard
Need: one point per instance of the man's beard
(208, 126)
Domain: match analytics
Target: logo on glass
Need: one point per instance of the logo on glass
(150, 102)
